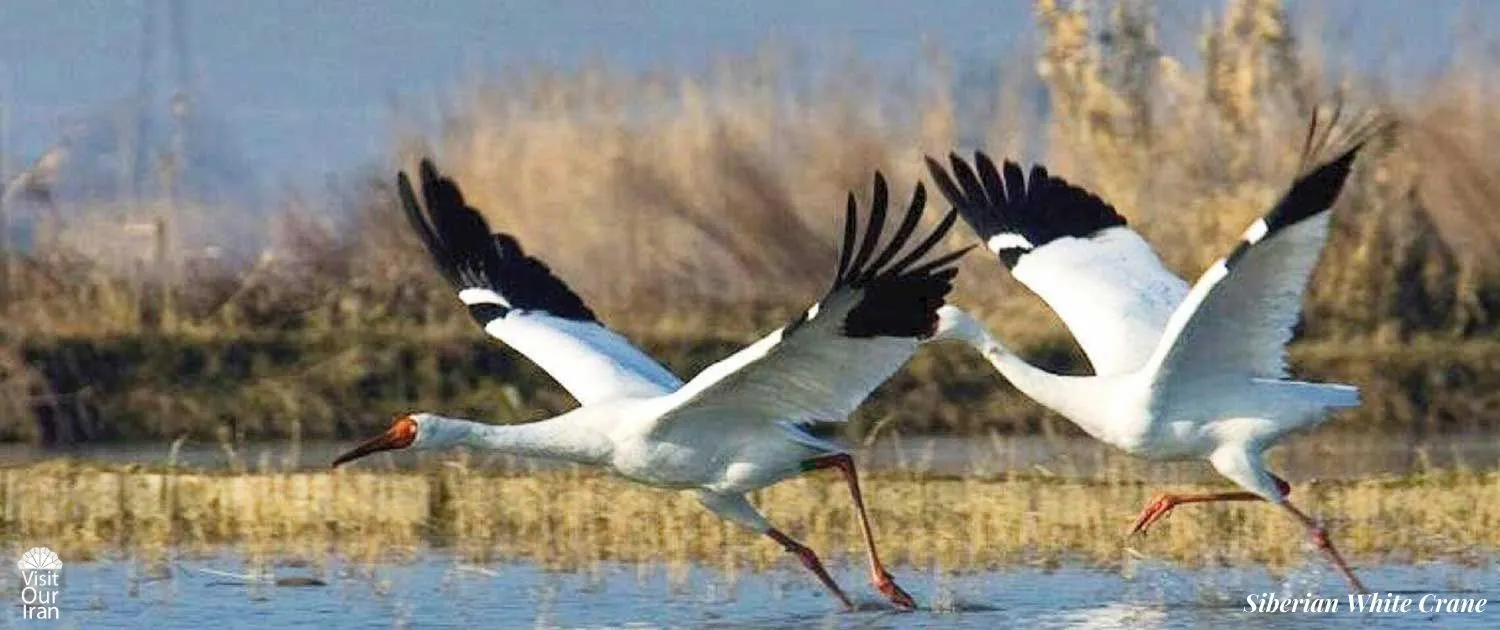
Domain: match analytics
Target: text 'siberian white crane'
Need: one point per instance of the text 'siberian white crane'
(1179, 373)
(739, 425)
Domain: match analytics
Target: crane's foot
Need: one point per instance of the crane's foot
(887, 586)
(1156, 510)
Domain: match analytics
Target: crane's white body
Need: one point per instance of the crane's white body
(732, 429)
(619, 436)
(735, 427)
(1180, 372)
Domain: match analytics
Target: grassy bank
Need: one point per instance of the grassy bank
(572, 518)
(696, 212)
(311, 386)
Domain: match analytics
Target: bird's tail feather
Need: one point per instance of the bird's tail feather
(1322, 395)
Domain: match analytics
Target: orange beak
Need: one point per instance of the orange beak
(401, 434)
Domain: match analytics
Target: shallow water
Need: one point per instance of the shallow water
(436, 592)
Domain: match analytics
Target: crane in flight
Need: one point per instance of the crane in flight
(1179, 372)
(741, 424)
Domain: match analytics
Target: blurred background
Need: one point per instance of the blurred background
(199, 238)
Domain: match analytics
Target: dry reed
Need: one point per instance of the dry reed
(572, 518)
(688, 209)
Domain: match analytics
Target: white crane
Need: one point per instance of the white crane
(1179, 373)
(742, 423)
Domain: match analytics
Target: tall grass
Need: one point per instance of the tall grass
(573, 518)
(695, 213)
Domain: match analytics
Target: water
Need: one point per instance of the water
(436, 592)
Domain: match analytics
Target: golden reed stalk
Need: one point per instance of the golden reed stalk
(573, 519)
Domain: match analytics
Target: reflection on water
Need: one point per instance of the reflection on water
(1320, 456)
(438, 592)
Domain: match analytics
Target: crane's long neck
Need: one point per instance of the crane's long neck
(555, 438)
(1076, 398)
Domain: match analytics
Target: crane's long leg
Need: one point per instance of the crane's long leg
(1319, 537)
(810, 560)
(878, 575)
(737, 509)
(1245, 469)
(1162, 504)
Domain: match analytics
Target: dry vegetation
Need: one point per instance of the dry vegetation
(575, 519)
(688, 211)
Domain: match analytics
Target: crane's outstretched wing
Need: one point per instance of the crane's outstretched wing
(822, 365)
(1239, 316)
(1074, 251)
(518, 300)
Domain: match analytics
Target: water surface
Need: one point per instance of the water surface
(437, 592)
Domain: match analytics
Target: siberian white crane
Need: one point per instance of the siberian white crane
(1179, 373)
(740, 424)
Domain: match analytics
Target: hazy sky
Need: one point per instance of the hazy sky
(305, 85)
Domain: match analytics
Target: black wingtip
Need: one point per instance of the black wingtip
(1315, 192)
(430, 178)
(941, 263)
(879, 198)
(903, 232)
(462, 247)
(851, 231)
(1002, 200)
(933, 166)
(990, 176)
(895, 299)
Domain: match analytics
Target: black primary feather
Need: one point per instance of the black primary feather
(470, 257)
(1312, 194)
(878, 201)
(1039, 208)
(895, 298)
(1316, 189)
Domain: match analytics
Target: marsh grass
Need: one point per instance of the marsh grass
(316, 386)
(695, 212)
(576, 519)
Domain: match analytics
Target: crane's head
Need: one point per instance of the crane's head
(406, 432)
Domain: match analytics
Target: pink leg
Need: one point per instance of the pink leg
(878, 575)
(1319, 537)
(810, 560)
(1163, 503)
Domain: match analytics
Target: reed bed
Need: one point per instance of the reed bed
(688, 208)
(574, 518)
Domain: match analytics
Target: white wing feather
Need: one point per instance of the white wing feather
(821, 367)
(1235, 323)
(592, 362)
(1112, 292)
(1073, 250)
(517, 299)
(812, 373)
